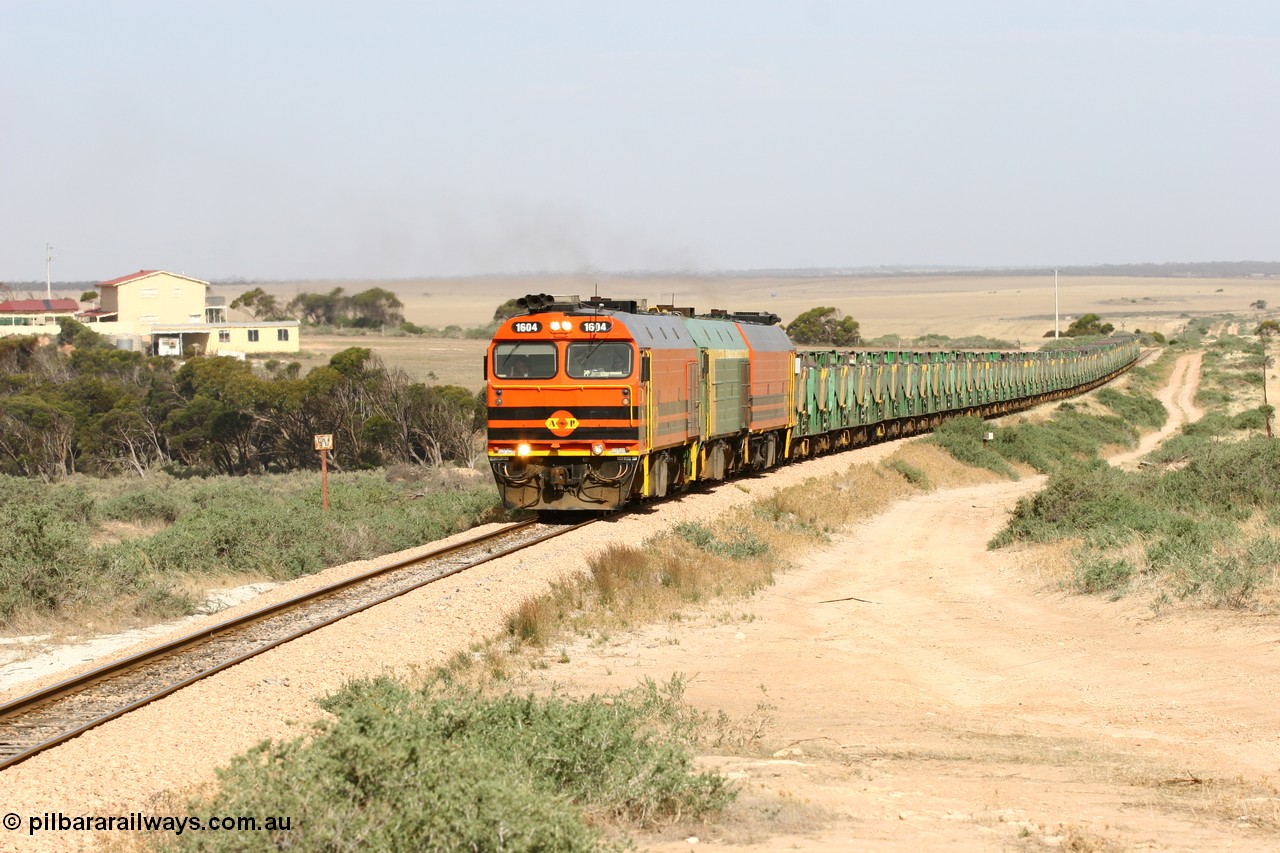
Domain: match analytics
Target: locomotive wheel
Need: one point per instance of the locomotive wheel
(661, 475)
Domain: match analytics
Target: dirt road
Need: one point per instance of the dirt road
(922, 692)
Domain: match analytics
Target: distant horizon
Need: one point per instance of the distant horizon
(1157, 269)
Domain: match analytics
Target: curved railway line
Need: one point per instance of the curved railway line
(45, 718)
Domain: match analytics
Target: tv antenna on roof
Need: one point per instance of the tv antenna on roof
(48, 265)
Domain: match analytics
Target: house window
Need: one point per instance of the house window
(224, 336)
(148, 293)
(177, 292)
(282, 334)
(253, 335)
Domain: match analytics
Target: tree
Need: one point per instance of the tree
(89, 296)
(819, 326)
(507, 310)
(376, 307)
(36, 432)
(78, 335)
(259, 304)
(1086, 324)
(320, 309)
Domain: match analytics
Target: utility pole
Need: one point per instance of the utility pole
(48, 266)
(1266, 329)
(1055, 304)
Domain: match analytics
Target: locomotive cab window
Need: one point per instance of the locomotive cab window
(525, 360)
(598, 360)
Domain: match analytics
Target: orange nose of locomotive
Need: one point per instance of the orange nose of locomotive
(563, 428)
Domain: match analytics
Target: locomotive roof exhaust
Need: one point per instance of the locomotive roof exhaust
(535, 303)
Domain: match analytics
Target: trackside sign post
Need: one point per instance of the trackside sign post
(323, 444)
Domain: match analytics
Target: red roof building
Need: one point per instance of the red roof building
(125, 279)
(39, 306)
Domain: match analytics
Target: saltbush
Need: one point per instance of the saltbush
(1094, 501)
(1139, 409)
(446, 768)
(962, 438)
(1186, 520)
(1069, 437)
(53, 556)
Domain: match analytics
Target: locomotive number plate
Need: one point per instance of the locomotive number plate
(526, 327)
(596, 325)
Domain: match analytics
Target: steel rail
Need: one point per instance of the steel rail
(76, 684)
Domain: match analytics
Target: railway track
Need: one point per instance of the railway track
(40, 720)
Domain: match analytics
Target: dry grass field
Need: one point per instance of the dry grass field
(1015, 308)
(431, 360)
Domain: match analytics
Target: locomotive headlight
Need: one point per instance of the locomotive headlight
(555, 325)
(522, 449)
(597, 447)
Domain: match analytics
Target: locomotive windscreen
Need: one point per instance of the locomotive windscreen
(524, 360)
(599, 360)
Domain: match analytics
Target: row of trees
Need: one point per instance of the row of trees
(368, 309)
(100, 410)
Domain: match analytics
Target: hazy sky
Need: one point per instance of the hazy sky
(378, 139)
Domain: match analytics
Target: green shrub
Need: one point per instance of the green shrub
(1093, 501)
(270, 525)
(742, 544)
(1226, 478)
(1235, 582)
(1255, 419)
(910, 473)
(1183, 542)
(1068, 438)
(145, 502)
(1187, 518)
(1212, 424)
(42, 558)
(1096, 574)
(1137, 409)
(448, 769)
(962, 438)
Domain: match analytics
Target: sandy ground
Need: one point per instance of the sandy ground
(923, 692)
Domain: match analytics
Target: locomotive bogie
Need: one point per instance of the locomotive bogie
(565, 482)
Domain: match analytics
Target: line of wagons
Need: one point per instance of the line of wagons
(597, 403)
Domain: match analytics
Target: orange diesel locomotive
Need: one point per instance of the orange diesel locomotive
(593, 404)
